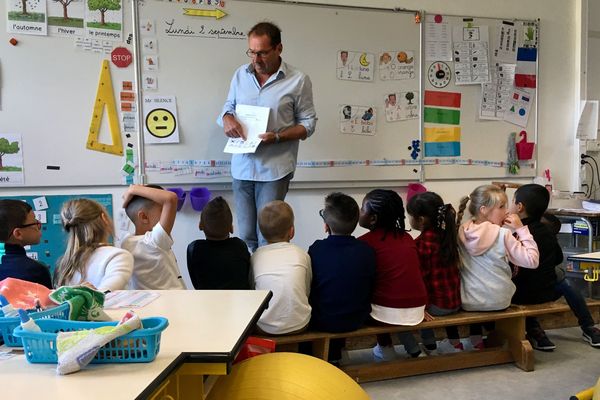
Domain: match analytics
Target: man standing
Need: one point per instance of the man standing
(266, 81)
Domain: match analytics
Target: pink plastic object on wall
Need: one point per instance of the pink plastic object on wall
(524, 148)
(413, 189)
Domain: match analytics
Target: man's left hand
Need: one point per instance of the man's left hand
(268, 137)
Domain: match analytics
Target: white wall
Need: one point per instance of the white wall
(559, 93)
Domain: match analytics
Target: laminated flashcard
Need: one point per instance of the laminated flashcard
(104, 20)
(11, 159)
(401, 106)
(65, 18)
(396, 65)
(358, 120)
(147, 27)
(505, 50)
(470, 54)
(355, 66)
(27, 17)
(150, 63)
(520, 107)
(495, 96)
(160, 120)
(149, 82)
(150, 45)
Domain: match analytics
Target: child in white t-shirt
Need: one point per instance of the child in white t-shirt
(283, 268)
(89, 258)
(152, 210)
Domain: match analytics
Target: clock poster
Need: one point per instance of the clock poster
(439, 74)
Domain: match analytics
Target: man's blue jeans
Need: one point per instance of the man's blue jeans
(249, 198)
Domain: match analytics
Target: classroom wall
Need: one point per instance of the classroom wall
(559, 94)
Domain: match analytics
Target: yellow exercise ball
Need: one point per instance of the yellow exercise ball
(286, 376)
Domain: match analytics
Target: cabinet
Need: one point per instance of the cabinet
(580, 233)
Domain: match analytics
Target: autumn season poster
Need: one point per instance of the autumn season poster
(27, 17)
(11, 160)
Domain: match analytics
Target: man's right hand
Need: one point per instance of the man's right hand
(232, 127)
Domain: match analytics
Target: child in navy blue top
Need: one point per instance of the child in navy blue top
(19, 228)
(343, 272)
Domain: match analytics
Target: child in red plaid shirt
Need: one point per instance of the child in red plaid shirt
(438, 253)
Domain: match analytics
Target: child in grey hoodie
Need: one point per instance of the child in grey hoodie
(486, 245)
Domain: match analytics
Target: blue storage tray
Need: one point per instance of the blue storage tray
(141, 345)
(8, 324)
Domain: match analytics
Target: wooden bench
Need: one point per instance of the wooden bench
(505, 345)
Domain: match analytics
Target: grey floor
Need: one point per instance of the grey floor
(572, 367)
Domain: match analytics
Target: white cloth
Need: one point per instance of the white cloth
(155, 266)
(398, 316)
(486, 279)
(285, 269)
(108, 268)
(77, 349)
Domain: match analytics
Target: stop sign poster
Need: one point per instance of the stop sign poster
(121, 57)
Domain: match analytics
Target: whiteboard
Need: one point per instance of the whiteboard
(196, 65)
(47, 93)
(482, 141)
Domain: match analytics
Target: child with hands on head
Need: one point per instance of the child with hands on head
(89, 258)
(438, 255)
(487, 243)
(399, 294)
(152, 210)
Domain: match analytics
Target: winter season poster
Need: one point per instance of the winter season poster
(65, 17)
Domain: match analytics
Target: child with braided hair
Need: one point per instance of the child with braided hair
(487, 243)
(438, 254)
(399, 295)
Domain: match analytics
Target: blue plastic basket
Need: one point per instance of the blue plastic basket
(8, 324)
(141, 345)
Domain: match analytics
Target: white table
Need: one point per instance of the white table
(206, 330)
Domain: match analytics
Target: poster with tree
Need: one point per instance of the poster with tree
(65, 17)
(11, 160)
(104, 19)
(27, 17)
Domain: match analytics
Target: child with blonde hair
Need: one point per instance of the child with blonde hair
(487, 243)
(88, 256)
(283, 268)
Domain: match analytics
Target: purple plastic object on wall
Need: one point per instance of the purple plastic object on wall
(180, 196)
(199, 196)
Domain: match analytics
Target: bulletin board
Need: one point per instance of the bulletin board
(47, 211)
(458, 106)
(48, 88)
(197, 56)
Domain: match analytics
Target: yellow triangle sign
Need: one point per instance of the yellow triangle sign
(105, 97)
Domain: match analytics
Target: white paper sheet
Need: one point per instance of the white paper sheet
(254, 121)
(129, 299)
